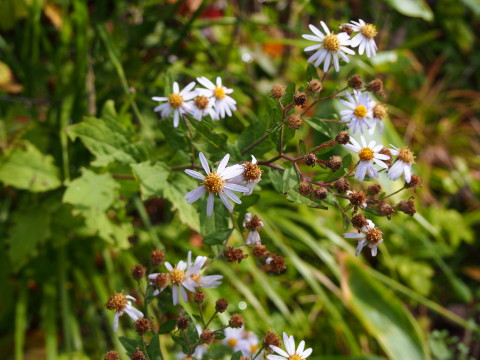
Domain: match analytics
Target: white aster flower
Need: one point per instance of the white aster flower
(177, 101)
(253, 224)
(291, 353)
(238, 339)
(360, 111)
(367, 153)
(369, 236)
(364, 38)
(194, 276)
(331, 46)
(219, 182)
(203, 106)
(403, 164)
(250, 176)
(224, 104)
(121, 304)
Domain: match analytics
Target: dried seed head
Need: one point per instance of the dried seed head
(374, 189)
(342, 138)
(406, 155)
(310, 159)
(374, 236)
(407, 206)
(341, 185)
(221, 305)
(334, 163)
(112, 355)
(233, 255)
(375, 86)
(278, 91)
(138, 355)
(385, 209)
(161, 281)
(320, 193)
(357, 198)
(315, 86)
(142, 326)
(201, 102)
(251, 172)
(158, 257)
(359, 221)
(138, 272)
(183, 322)
(294, 121)
(207, 336)
(355, 82)
(300, 99)
(116, 302)
(379, 111)
(276, 264)
(260, 251)
(236, 321)
(387, 152)
(199, 296)
(270, 339)
(347, 29)
(415, 181)
(305, 188)
(254, 224)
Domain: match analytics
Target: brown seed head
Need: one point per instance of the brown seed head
(415, 181)
(294, 121)
(221, 305)
(254, 224)
(142, 326)
(158, 257)
(310, 159)
(116, 302)
(375, 86)
(407, 206)
(387, 152)
(201, 102)
(315, 86)
(183, 323)
(342, 138)
(379, 111)
(161, 281)
(278, 91)
(374, 189)
(355, 82)
(236, 321)
(305, 188)
(334, 163)
(374, 236)
(207, 336)
(270, 339)
(199, 296)
(277, 264)
(385, 209)
(233, 255)
(358, 198)
(341, 185)
(138, 355)
(359, 221)
(346, 28)
(251, 172)
(320, 193)
(260, 251)
(406, 155)
(112, 355)
(138, 272)
(300, 99)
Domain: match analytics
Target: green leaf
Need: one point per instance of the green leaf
(130, 345)
(218, 237)
(152, 178)
(289, 179)
(237, 355)
(320, 126)
(25, 167)
(217, 221)
(412, 8)
(303, 147)
(168, 326)
(383, 315)
(276, 177)
(153, 349)
(312, 72)
(247, 201)
(289, 94)
(206, 140)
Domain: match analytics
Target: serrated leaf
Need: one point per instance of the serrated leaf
(25, 167)
(218, 237)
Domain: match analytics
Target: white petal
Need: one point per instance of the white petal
(225, 201)
(175, 294)
(223, 163)
(306, 353)
(176, 89)
(317, 32)
(407, 173)
(353, 235)
(235, 187)
(313, 47)
(326, 64)
(115, 321)
(374, 250)
(195, 174)
(159, 98)
(210, 204)
(232, 196)
(195, 194)
(325, 27)
(279, 350)
(360, 246)
(187, 89)
(204, 162)
(300, 348)
(206, 82)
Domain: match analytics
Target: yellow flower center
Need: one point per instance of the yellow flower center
(195, 277)
(213, 183)
(369, 31)
(201, 102)
(406, 156)
(360, 111)
(117, 302)
(232, 342)
(365, 154)
(177, 276)
(251, 172)
(175, 100)
(253, 348)
(295, 357)
(374, 236)
(219, 93)
(331, 42)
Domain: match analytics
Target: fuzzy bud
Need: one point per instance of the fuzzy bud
(342, 138)
(315, 86)
(161, 281)
(334, 163)
(116, 302)
(305, 188)
(310, 159)
(138, 355)
(270, 339)
(358, 198)
(380, 111)
(260, 251)
(341, 185)
(415, 181)
(359, 221)
(236, 321)
(355, 82)
(407, 206)
(221, 305)
(158, 257)
(275, 264)
(112, 355)
(138, 272)
(278, 91)
(375, 86)
(207, 336)
(142, 326)
(347, 29)
(300, 99)
(385, 209)
(374, 189)
(233, 255)
(183, 323)
(320, 193)
(294, 121)
(199, 296)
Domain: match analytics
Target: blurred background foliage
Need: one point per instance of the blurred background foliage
(73, 222)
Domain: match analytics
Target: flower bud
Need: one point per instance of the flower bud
(342, 138)
(207, 336)
(355, 82)
(138, 272)
(341, 185)
(358, 198)
(385, 209)
(310, 159)
(407, 207)
(138, 355)
(300, 99)
(387, 152)
(334, 163)
(275, 264)
(374, 189)
(199, 296)
(320, 193)
(278, 91)
(157, 257)
(260, 251)
(415, 181)
(315, 86)
(183, 323)
(142, 326)
(112, 355)
(233, 255)
(221, 305)
(294, 121)
(359, 221)
(161, 281)
(305, 188)
(375, 86)
(380, 111)
(270, 339)
(236, 321)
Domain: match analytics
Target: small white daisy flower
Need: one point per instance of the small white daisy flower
(178, 278)
(369, 236)
(360, 111)
(253, 224)
(177, 102)
(403, 164)
(121, 304)
(203, 106)
(194, 276)
(331, 46)
(379, 113)
(219, 182)
(364, 38)
(250, 176)
(224, 104)
(238, 339)
(291, 353)
(367, 153)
